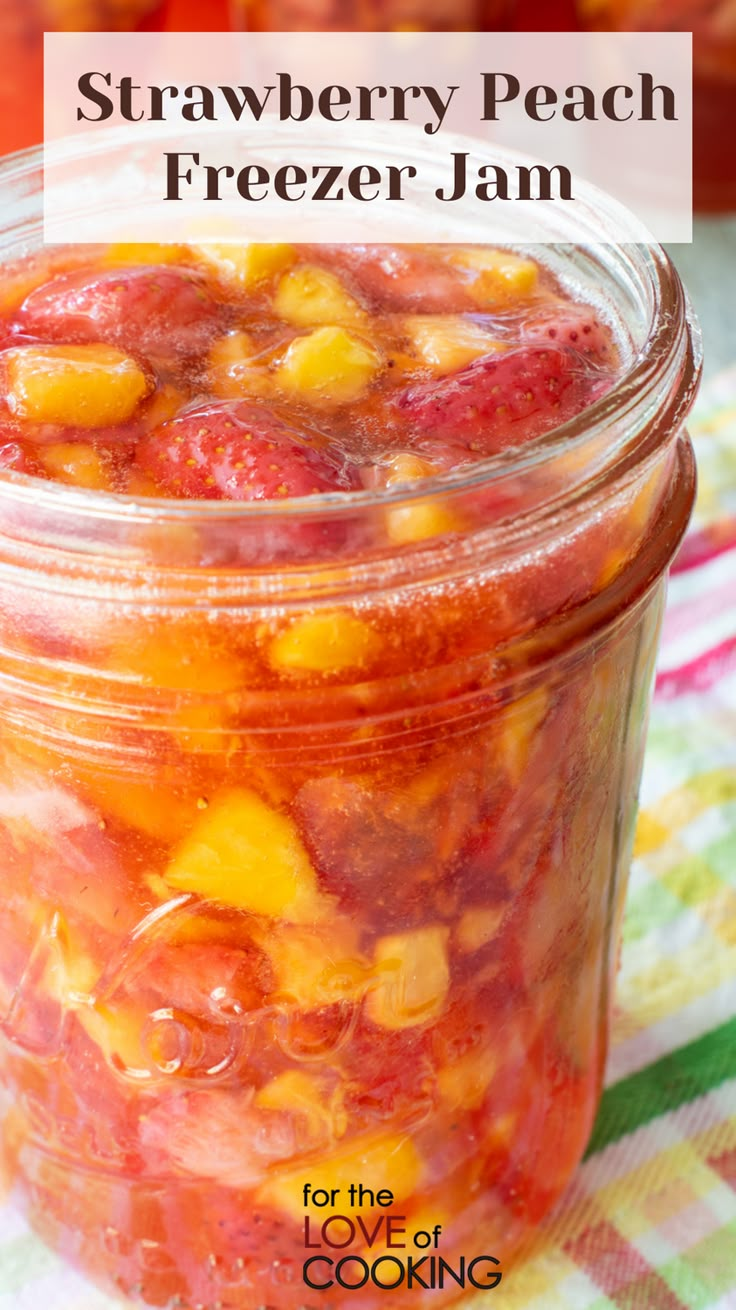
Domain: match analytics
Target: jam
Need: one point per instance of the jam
(260, 372)
(326, 639)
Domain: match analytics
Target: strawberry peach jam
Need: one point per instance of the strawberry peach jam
(269, 372)
(330, 583)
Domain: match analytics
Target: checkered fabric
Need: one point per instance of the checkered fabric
(649, 1222)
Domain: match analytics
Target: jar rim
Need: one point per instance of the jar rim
(662, 379)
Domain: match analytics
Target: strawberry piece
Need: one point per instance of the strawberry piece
(237, 451)
(214, 1134)
(572, 325)
(499, 401)
(167, 315)
(401, 279)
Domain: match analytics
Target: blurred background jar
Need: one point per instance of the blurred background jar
(22, 25)
(712, 22)
(371, 15)
(713, 25)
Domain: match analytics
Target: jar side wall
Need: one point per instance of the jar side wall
(92, 668)
(443, 983)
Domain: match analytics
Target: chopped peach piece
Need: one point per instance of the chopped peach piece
(82, 386)
(501, 276)
(247, 855)
(318, 967)
(248, 264)
(413, 975)
(69, 973)
(405, 467)
(328, 366)
(634, 521)
(418, 520)
(77, 464)
(204, 728)
(137, 803)
(165, 402)
(232, 369)
(233, 348)
(118, 1031)
(464, 1083)
(138, 483)
(146, 252)
(501, 1132)
(170, 658)
(478, 927)
(447, 342)
(311, 297)
(298, 1093)
(522, 721)
(387, 1161)
(325, 643)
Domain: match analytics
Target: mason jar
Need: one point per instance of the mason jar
(315, 821)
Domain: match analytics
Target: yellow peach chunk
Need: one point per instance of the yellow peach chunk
(68, 973)
(413, 975)
(233, 370)
(77, 464)
(315, 967)
(633, 523)
(171, 658)
(84, 386)
(233, 348)
(145, 252)
(405, 467)
(328, 366)
(378, 1162)
(310, 297)
(136, 803)
(501, 1132)
(205, 728)
(447, 342)
(302, 1094)
(20, 283)
(248, 264)
(523, 718)
(477, 927)
(421, 520)
(165, 402)
(245, 854)
(118, 1031)
(464, 1083)
(138, 483)
(325, 643)
(501, 275)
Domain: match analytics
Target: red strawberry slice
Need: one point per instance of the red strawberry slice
(400, 279)
(572, 325)
(167, 315)
(216, 1134)
(499, 401)
(233, 450)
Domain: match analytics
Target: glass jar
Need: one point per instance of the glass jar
(370, 15)
(713, 25)
(315, 824)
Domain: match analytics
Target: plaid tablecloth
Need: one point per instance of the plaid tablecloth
(649, 1222)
